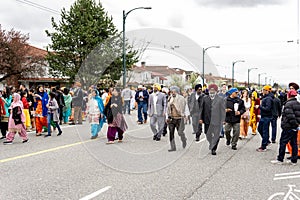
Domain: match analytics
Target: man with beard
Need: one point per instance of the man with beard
(157, 108)
(194, 102)
(213, 116)
(176, 113)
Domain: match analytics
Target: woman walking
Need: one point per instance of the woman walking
(244, 124)
(53, 114)
(67, 107)
(115, 118)
(95, 113)
(41, 110)
(254, 112)
(7, 99)
(26, 110)
(16, 121)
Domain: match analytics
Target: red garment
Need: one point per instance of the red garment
(2, 109)
(25, 103)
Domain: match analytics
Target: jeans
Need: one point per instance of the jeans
(142, 106)
(288, 136)
(49, 117)
(274, 128)
(126, 106)
(263, 129)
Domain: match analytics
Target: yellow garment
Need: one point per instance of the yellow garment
(27, 118)
(253, 120)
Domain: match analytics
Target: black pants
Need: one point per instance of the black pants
(4, 128)
(210, 139)
(61, 114)
(288, 136)
(177, 124)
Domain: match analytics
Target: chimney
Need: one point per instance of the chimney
(143, 64)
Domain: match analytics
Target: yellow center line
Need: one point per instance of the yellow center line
(43, 151)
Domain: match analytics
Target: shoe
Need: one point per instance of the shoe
(260, 149)
(145, 121)
(273, 142)
(140, 123)
(47, 135)
(213, 152)
(253, 133)
(2, 137)
(197, 140)
(240, 138)
(227, 142)
(276, 162)
(233, 148)
(110, 142)
(221, 136)
(170, 150)
(120, 141)
(157, 139)
(24, 141)
(38, 134)
(72, 123)
(7, 142)
(184, 144)
(291, 163)
(93, 137)
(289, 158)
(59, 133)
(154, 137)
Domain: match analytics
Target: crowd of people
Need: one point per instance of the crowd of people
(216, 112)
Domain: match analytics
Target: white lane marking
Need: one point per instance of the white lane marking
(93, 195)
(286, 177)
(286, 174)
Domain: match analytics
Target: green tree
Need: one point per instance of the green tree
(194, 79)
(86, 45)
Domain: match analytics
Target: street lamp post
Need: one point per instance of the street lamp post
(203, 55)
(266, 79)
(125, 14)
(249, 75)
(233, 63)
(259, 78)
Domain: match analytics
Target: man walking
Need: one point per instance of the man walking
(157, 108)
(126, 95)
(290, 124)
(176, 113)
(194, 104)
(266, 118)
(212, 115)
(141, 97)
(234, 109)
(276, 112)
(77, 102)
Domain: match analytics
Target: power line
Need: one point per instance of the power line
(41, 7)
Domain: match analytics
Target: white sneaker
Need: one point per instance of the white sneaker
(276, 162)
(291, 163)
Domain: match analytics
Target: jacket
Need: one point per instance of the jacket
(266, 106)
(230, 116)
(276, 111)
(291, 115)
(77, 99)
(194, 104)
(145, 95)
(161, 104)
(213, 111)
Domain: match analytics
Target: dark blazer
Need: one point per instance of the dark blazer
(230, 116)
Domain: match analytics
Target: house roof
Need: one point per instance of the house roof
(161, 70)
(36, 52)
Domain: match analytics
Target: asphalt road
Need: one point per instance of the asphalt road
(72, 166)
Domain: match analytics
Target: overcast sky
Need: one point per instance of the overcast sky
(256, 31)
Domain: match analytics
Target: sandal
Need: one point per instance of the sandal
(110, 142)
